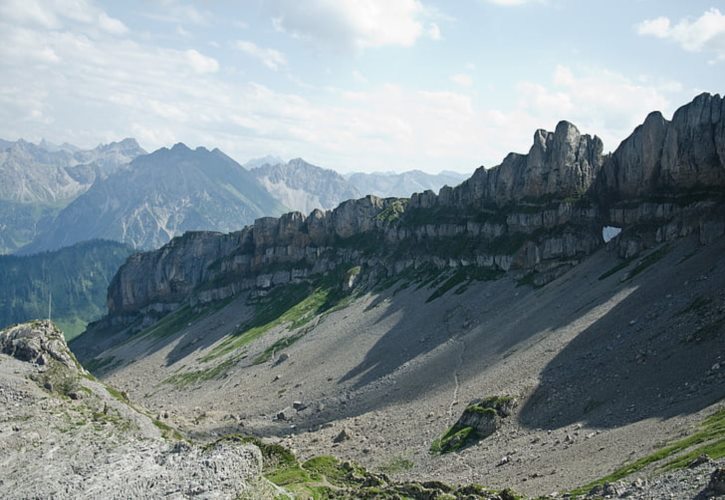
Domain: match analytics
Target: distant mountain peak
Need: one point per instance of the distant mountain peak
(161, 195)
(261, 161)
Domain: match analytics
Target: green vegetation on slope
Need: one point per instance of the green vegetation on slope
(461, 435)
(709, 438)
(326, 477)
(21, 222)
(293, 305)
(78, 277)
(463, 277)
(456, 438)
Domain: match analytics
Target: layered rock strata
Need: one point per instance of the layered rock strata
(535, 214)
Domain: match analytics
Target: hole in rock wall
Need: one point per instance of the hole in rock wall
(609, 232)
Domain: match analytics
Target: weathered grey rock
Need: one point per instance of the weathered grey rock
(560, 164)
(37, 342)
(662, 157)
(112, 450)
(285, 414)
(302, 186)
(716, 486)
(484, 415)
(343, 435)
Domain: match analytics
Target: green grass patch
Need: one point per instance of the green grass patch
(714, 450)
(616, 269)
(277, 347)
(185, 316)
(326, 477)
(185, 379)
(329, 467)
(167, 431)
(464, 276)
(455, 439)
(397, 465)
(696, 306)
(170, 324)
(711, 429)
(394, 211)
(292, 305)
(529, 279)
(98, 365)
(649, 260)
(116, 394)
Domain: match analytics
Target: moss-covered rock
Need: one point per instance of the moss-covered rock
(480, 419)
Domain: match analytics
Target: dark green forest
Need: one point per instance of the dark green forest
(77, 276)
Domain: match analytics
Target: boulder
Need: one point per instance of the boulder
(38, 342)
(716, 486)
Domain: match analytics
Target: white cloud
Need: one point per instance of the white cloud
(173, 11)
(511, 3)
(359, 77)
(434, 32)
(704, 34)
(201, 63)
(351, 23)
(598, 101)
(271, 58)
(51, 15)
(462, 79)
(659, 27)
(111, 25)
(163, 95)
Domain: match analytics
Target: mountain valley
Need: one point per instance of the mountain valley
(367, 331)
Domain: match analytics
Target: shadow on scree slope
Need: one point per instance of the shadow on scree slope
(464, 333)
(489, 319)
(649, 357)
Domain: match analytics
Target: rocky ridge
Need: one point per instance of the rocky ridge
(393, 184)
(535, 216)
(43, 173)
(159, 196)
(302, 187)
(100, 445)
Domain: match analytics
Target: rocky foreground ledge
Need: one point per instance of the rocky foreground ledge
(63, 434)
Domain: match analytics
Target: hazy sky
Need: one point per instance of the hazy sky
(351, 84)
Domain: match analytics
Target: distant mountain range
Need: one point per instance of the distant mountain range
(391, 184)
(303, 187)
(39, 180)
(159, 196)
(52, 196)
(76, 276)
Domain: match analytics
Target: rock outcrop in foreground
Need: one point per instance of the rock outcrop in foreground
(534, 216)
(65, 435)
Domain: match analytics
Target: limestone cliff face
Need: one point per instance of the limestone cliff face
(536, 214)
(170, 272)
(560, 164)
(226, 263)
(669, 157)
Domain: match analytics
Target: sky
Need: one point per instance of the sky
(353, 85)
